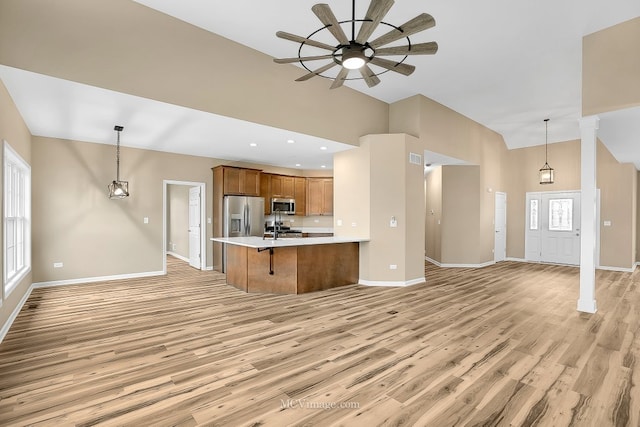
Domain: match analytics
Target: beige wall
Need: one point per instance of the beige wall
(461, 215)
(610, 68)
(637, 234)
(124, 46)
(372, 184)
(75, 222)
(617, 184)
(178, 219)
(15, 132)
(522, 169)
(448, 132)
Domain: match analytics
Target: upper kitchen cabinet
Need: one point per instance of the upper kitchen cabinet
(282, 186)
(240, 181)
(300, 193)
(319, 196)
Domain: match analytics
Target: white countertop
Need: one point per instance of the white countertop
(259, 242)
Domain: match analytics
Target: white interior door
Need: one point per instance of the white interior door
(553, 227)
(194, 227)
(500, 225)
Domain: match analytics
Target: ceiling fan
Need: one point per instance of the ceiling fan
(357, 53)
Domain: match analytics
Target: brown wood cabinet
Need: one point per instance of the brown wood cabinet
(282, 186)
(319, 196)
(229, 181)
(300, 194)
(285, 187)
(240, 181)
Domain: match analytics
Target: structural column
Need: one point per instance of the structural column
(588, 210)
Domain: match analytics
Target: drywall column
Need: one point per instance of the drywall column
(375, 185)
(588, 206)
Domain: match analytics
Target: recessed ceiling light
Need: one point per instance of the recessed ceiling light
(323, 148)
(323, 166)
(290, 141)
(253, 144)
(298, 165)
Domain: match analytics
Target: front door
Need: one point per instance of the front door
(194, 227)
(553, 227)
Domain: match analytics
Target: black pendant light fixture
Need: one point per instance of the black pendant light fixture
(118, 189)
(546, 172)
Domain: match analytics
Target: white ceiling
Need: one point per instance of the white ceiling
(505, 64)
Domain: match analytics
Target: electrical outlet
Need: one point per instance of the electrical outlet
(146, 220)
(393, 267)
(58, 265)
(339, 223)
(353, 224)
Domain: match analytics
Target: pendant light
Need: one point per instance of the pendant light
(118, 189)
(546, 173)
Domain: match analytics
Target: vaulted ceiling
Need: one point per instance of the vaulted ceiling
(505, 64)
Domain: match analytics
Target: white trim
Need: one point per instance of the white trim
(180, 257)
(515, 259)
(203, 220)
(432, 261)
(439, 264)
(98, 279)
(14, 314)
(391, 283)
(209, 268)
(622, 269)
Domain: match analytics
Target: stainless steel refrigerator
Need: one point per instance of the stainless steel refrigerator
(243, 216)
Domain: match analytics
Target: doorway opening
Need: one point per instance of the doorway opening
(183, 222)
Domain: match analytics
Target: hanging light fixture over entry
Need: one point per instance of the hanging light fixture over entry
(546, 173)
(118, 189)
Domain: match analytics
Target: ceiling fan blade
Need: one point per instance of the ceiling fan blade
(298, 39)
(300, 59)
(369, 76)
(316, 72)
(414, 49)
(339, 80)
(326, 16)
(417, 24)
(377, 10)
(404, 69)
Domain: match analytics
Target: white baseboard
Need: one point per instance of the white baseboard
(391, 283)
(621, 269)
(515, 259)
(183, 258)
(439, 264)
(209, 268)
(7, 325)
(97, 279)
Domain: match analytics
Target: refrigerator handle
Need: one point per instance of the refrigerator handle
(246, 220)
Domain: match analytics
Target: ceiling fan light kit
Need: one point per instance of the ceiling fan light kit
(357, 53)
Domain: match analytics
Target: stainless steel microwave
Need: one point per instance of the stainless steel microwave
(285, 206)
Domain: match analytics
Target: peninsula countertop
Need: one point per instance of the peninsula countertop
(284, 242)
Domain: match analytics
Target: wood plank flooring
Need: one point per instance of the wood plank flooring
(501, 345)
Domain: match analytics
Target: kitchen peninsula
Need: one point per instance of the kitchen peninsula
(291, 265)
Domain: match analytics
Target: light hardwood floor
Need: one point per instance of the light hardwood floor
(501, 345)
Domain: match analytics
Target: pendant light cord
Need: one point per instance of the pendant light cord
(546, 140)
(118, 158)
